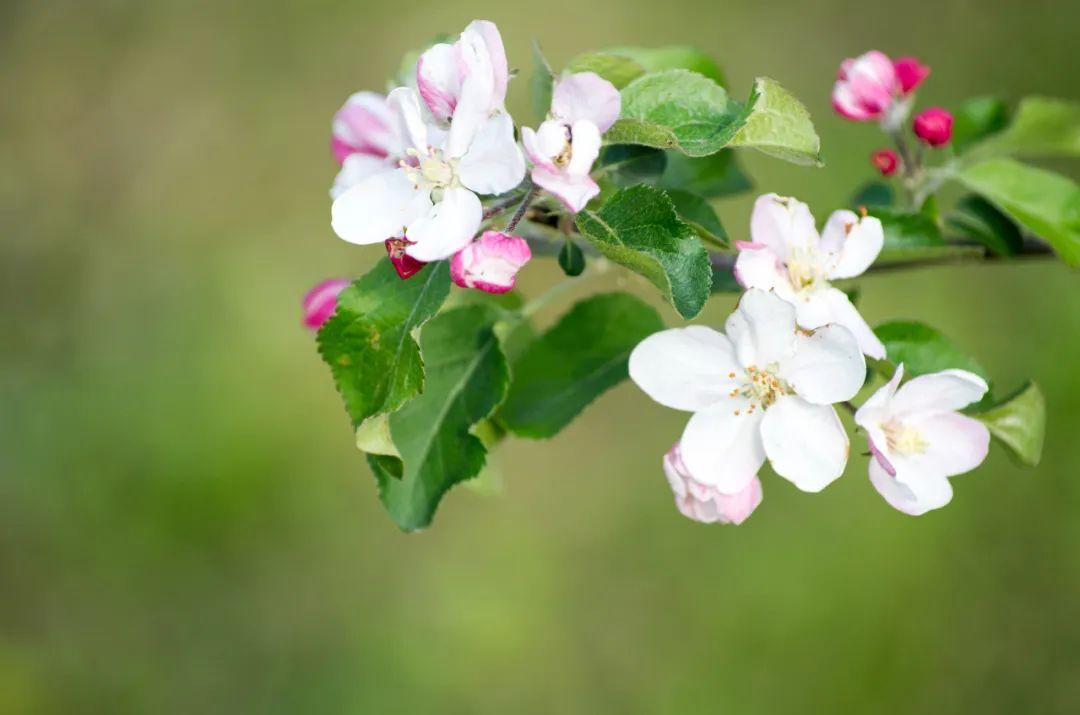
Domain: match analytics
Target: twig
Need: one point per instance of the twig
(520, 213)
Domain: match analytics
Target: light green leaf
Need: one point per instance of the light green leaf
(373, 436)
(710, 176)
(367, 343)
(1045, 203)
(541, 82)
(467, 378)
(659, 59)
(977, 119)
(1019, 423)
(975, 218)
(697, 212)
(581, 357)
(922, 349)
(617, 69)
(1042, 126)
(639, 228)
(779, 125)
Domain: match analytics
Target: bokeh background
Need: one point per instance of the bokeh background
(184, 523)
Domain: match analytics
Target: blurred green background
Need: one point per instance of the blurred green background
(185, 525)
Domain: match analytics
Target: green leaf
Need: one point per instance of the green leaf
(467, 378)
(541, 82)
(367, 343)
(907, 230)
(571, 258)
(1045, 203)
(617, 69)
(874, 195)
(639, 228)
(922, 349)
(581, 357)
(977, 119)
(626, 165)
(1019, 423)
(779, 125)
(659, 59)
(975, 218)
(697, 212)
(710, 176)
(1042, 126)
(724, 280)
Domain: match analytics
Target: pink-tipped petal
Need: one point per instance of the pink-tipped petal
(500, 72)
(575, 192)
(321, 301)
(706, 504)
(438, 80)
(588, 96)
(364, 125)
(866, 87)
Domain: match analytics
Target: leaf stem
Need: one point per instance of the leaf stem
(522, 208)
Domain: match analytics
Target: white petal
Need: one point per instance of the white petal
(956, 443)
(438, 80)
(355, 169)
(493, 164)
(758, 267)
(405, 105)
(477, 94)
(586, 95)
(447, 227)
(685, 368)
(844, 313)
(486, 32)
(585, 147)
(945, 391)
(854, 243)
(534, 150)
(805, 443)
(573, 191)
(780, 222)
(874, 412)
(378, 208)
(826, 366)
(762, 328)
(723, 449)
(932, 493)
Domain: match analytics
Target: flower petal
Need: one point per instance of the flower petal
(585, 147)
(531, 140)
(494, 163)
(378, 208)
(874, 412)
(853, 242)
(364, 125)
(956, 443)
(762, 328)
(588, 96)
(575, 192)
(405, 104)
(438, 78)
(945, 391)
(355, 169)
(758, 267)
(723, 449)
(685, 368)
(826, 366)
(447, 227)
(805, 443)
(477, 97)
(842, 312)
(781, 223)
(932, 493)
(486, 32)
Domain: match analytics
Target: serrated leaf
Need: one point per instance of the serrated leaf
(1045, 203)
(467, 378)
(367, 343)
(700, 214)
(922, 349)
(541, 82)
(1041, 126)
(617, 69)
(1019, 423)
(639, 228)
(975, 218)
(977, 119)
(779, 125)
(573, 363)
(710, 176)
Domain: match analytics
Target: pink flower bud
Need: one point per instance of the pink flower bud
(886, 161)
(866, 87)
(321, 302)
(704, 503)
(910, 73)
(491, 262)
(405, 265)
(934, 126)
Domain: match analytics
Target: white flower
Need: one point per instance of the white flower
(431, 198)
(918, 439)
(765, 389)
(787, 256)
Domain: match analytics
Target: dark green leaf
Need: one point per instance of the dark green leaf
(724, 280)
(367, 343)
(977, 119)
(975, 218)
(573, 363)
(874, 195)
(1045, 203)
(697, 212)
(922, 349)
(467, 378)
(639, 228)
(1042, 126)
(1019, 423)
(540, 84)
(571, 259)
(710, 176)
(627, 164)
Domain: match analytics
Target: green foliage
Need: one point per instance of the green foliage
(921, 349)
(375, 362)
(622, 65)
(710, 176)
(617, 69)
(697, 212)
(571, 258)
(639, 228)
(976, 218)
(1019, 423)
(627, 164)
(874, 195)
(1042, 126)
(1045, 203)
(573, 363)
(779, 125)
(541, 82)
(467, 379)
(977, 119)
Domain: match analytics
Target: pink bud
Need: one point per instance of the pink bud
(321, 302)
(886, 161)
(405, 265)
(491, 262)
(866, 87)
(704, 503)
(910, 73)
(934, 126)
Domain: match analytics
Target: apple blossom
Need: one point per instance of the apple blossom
(704, 503)
(765, 389)
(321, 301)
(934, 126)
(910, 73)
(472, 73)
(886, 161)
(365, 140)
(491, 262)
(918, 438)
(563, 148)
(786, 255)
(872, 86)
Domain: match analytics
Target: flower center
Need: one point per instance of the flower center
(902, 438)
(430, 170)
(761, 386)
(805, 270)
(562, 159)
